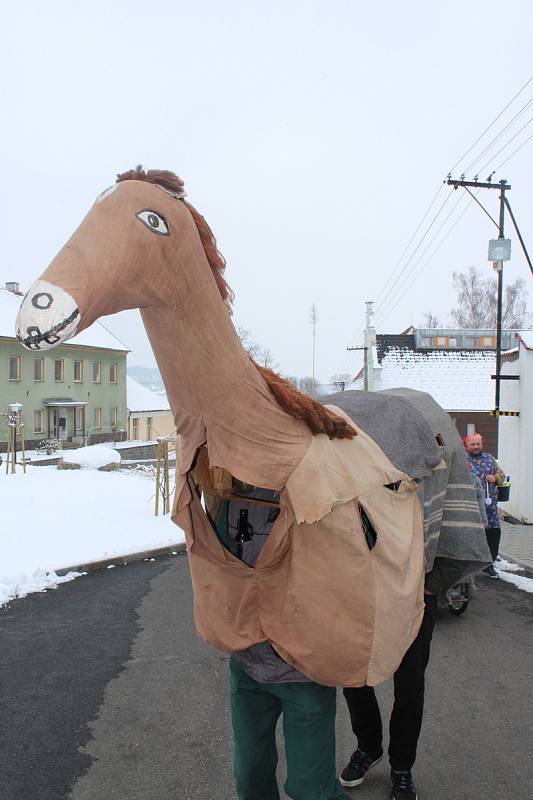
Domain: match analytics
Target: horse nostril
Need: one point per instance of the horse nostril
(42, 301)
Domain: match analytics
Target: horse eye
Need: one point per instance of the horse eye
(154, 221)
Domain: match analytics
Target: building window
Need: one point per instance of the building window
(97, 372)
(38, 370)
(471, 342)
(79, 419)
(78, 372)
(59, 370)
(470, 428)
(149, 427)
(488, 341)
(425, 341)
(135, 428)
(440, 341)
(38, 421)
(14, 368)
(452, 342)
(113, 417)
(113, 372)
(97, 418)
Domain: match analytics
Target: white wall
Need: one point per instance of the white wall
(515, 451)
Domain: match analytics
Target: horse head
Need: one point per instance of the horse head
(125, 254)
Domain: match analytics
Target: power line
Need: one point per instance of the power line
(489, 162)
(114, 335)
(514, 152)
(379, 305)
(461, 215)
(410, 241)
(432, 240)
(498, 136)
(511, 101)
(389, 293)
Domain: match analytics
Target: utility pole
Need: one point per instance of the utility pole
(313, 317)
(499, 251)
(370, 341)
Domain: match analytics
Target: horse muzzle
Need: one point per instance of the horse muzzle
(47, 317)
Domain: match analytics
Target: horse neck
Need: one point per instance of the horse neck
(217, 395)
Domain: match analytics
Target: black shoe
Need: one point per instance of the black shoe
(355, 771)
(491, 572)
(403, 787)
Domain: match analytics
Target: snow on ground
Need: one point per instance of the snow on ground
(503, 568)
(92, 457)
(52, 519)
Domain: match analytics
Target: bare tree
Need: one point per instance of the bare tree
(430, 320)
(477, 301)
(261, 355)
(266, 359)
(252, 348)
(309, 385)
(293, 380)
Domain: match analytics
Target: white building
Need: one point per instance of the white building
(149, 414)
(516, 433)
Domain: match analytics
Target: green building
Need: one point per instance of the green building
(75, 393)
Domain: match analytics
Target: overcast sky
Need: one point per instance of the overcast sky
(312, 136)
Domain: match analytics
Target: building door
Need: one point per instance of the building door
(58, 423)
(53, 418)
(62, 423)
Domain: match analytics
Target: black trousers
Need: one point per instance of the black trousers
(406, 718)
(493, 540)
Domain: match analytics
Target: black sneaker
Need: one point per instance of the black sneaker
(491, 572)
(355, 771)
(403, 787)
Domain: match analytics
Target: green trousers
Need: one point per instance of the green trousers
(309, 729)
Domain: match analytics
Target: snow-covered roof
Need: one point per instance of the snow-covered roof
(94, 336)
(457, 380)
(526, 337)
(139, 398)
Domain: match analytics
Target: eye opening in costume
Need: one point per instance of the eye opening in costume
(154, 221)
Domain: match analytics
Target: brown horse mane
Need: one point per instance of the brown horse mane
(297, 404)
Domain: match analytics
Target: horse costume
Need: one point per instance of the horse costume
(337, 589)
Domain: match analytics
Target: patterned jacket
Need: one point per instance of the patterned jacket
(482, 465)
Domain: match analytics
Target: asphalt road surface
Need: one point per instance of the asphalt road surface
(106, 693)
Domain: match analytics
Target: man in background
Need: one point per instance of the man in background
(486, 468)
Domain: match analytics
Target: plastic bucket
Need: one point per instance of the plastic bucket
(503, 493)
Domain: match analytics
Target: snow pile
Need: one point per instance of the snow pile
(39, 581)
(92, 457)
(503, 568)
(53, 519)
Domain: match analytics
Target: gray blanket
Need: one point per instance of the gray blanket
(416, 434)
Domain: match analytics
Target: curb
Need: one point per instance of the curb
(122, 560)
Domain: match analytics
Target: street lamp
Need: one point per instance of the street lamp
(15, 409)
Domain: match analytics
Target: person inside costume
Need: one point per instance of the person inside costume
(264, 687)
(405, 721)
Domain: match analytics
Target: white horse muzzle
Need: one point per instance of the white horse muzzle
(47, 317)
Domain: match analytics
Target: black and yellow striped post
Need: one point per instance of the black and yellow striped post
(498, 413)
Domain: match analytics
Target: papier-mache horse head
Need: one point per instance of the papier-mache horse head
(142, 245)
(134, 224)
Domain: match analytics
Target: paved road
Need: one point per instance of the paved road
(107, 694)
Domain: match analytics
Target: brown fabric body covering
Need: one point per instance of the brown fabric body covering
(341, 613)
